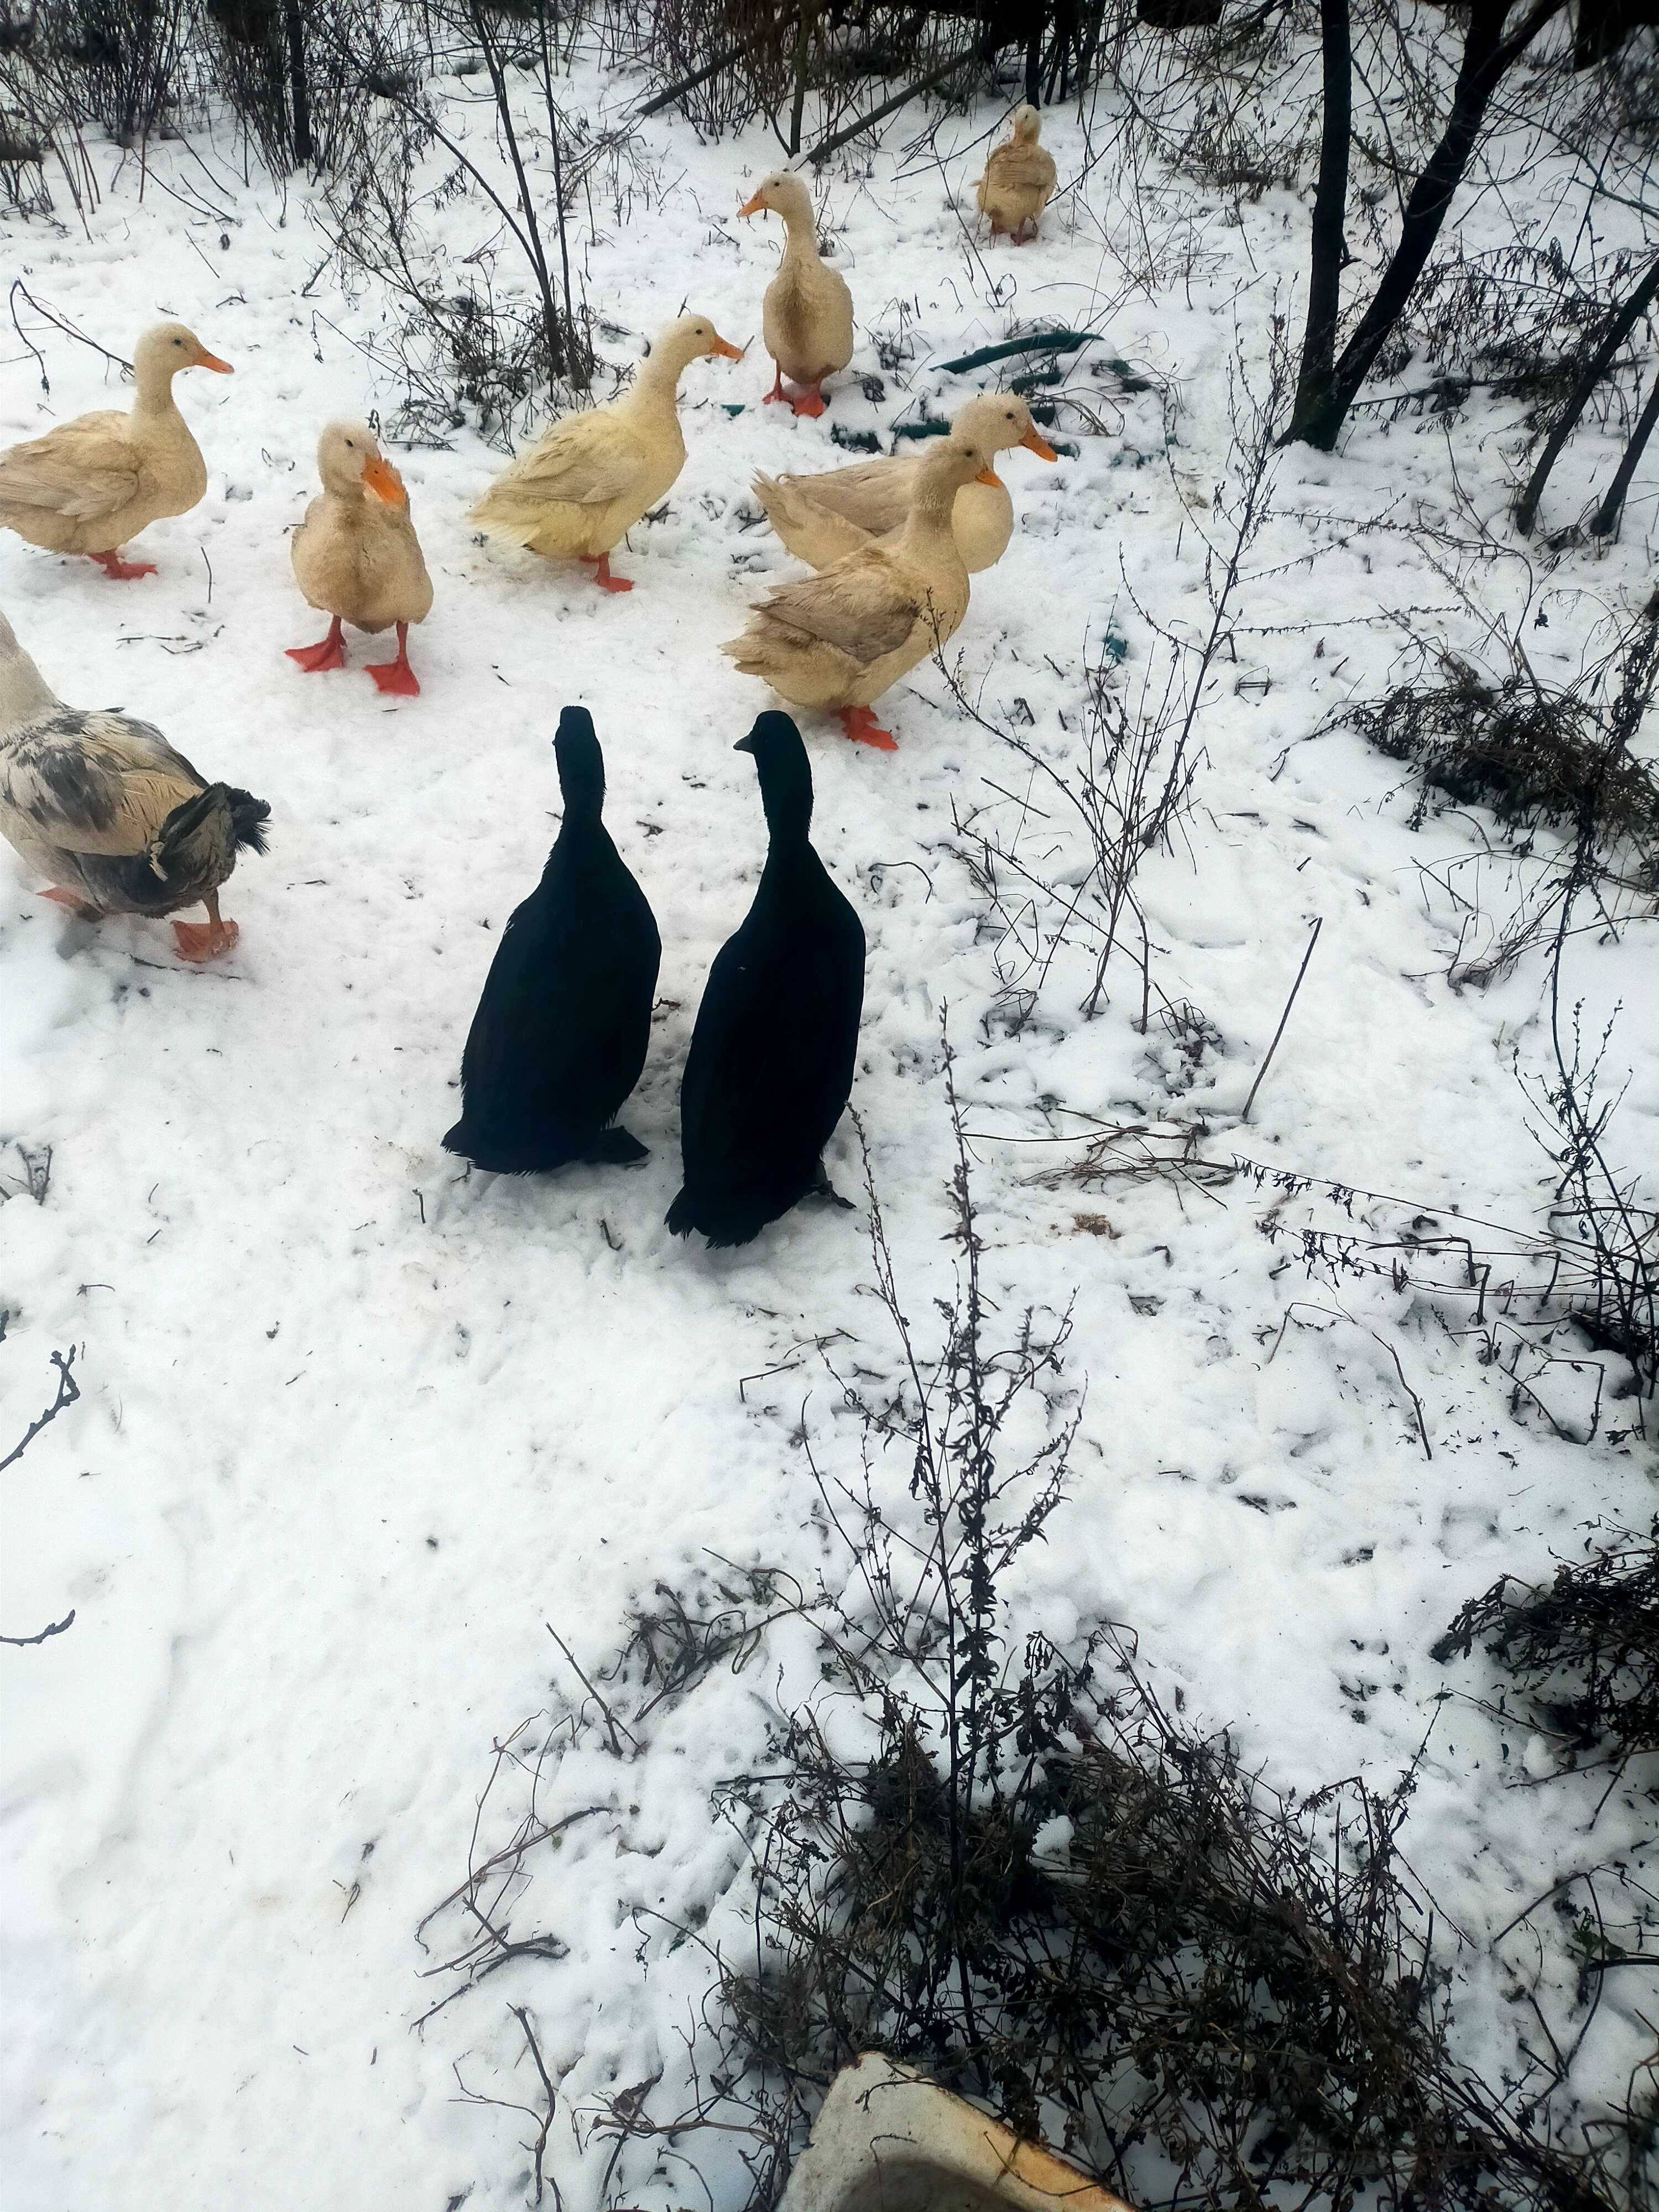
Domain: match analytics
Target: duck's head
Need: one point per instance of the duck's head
(349, 461)
(1000, 420)
(955, 461)
(1028, 123)
(782, 193)
(161, 353)
(580, 762)
(691, 338)
(785, 774)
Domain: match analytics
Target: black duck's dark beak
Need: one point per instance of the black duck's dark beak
(746, 744)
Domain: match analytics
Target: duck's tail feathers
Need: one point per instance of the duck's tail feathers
(169, 848)
(248, 817)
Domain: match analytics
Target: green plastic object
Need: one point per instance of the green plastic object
(732, 406)
(854, 442)
(1114, 646)
(920, 430)
(1040, 342)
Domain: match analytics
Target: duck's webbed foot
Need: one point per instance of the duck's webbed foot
(198, 941)
(119, 571)
(75, 902)
(329, 653)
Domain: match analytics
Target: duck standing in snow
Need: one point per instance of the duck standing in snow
(560, 1035)
(92, 483)
(821, 517)
(807, 313)
(840, 639)
(121, 823)
(356, 556)
(770, 1068)
(589, 477)
(1019, 181)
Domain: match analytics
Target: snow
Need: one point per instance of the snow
(354, 1427)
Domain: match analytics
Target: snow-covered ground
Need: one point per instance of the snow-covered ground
(354, 1426)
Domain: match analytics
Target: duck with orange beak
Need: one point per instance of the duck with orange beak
(97, 480)
(578, 491)
(807, 315)
(356, 556)
(842, 638)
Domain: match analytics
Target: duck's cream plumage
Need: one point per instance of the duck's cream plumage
(589, 477)
(821, 518)
(92, 483)
(842, 638)
(355, 555)
(102, 805)
(807, 316)
(1019, 177)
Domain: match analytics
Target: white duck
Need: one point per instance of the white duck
(589, 477)
(807, 313)
(356, 556)
(92, 483)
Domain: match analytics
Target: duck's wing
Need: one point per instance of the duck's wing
(587, 459)
(875, 494)
(865, 606)
(83, 470)
(1017, 168)
(94, 782)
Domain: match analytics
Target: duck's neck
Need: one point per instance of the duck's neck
(153, 399)
(800, 241)
(24, 692)
(927, 527)
(656, 383)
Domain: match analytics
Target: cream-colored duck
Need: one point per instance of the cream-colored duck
(807, 315)
(1019, 181)
(356, 556)
(840, 639)
(819, 518)
(590, 476)
(92, 483)
(103, 806)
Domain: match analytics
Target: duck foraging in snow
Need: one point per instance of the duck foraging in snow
(560, 1036)
(356, 556)
(590, 477)
(807, 313)
(92, 483)
(122, 823)
(770, 1068)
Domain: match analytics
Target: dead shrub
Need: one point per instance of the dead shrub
(1582, 1649)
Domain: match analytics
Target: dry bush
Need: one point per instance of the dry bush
(1533, 756)
(1584, 1649)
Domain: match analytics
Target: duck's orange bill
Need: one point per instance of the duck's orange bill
(384, 481)
(988, 475)
(205, 360)
(753, 205)
(729, 352)
(1040, 445)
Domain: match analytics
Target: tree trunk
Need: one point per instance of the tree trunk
(1315, 385)
(1487, 55)
(299, 90)
(1624, 322)
(1605, 518)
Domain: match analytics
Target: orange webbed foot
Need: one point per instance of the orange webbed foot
(811, 403)
(197, 941)
(395, 676)
(861, 726)
(73, 901)
(602, 575)
(330, 654)
(119, 571)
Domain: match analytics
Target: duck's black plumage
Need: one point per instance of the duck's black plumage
(770, 1068)
(560, 1032)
